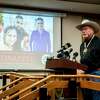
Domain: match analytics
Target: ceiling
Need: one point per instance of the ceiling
(80, 6)
(84, 1)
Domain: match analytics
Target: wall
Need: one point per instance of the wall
(70, 33)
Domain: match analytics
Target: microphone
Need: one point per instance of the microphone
(67, 53)
(66, 46)
(75, 55)
(60, 55)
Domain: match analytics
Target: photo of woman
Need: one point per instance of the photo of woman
(9, 38)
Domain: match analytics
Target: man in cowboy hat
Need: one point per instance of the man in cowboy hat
(90, 52)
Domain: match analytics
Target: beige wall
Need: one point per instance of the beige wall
(70, 33)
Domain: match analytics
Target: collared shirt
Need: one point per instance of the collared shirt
(91, 58)
(40, 42)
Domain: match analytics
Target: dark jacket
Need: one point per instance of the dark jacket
(92, 57)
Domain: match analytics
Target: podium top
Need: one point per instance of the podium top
(64, 64)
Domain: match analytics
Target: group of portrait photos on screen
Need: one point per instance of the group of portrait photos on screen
(29, 33)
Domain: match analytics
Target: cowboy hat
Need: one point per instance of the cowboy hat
(94, 25)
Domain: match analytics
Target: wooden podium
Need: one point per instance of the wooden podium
(64, 65)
